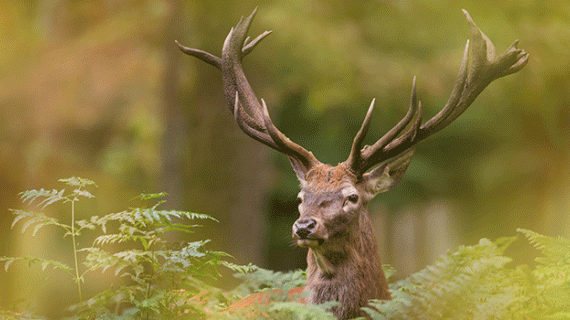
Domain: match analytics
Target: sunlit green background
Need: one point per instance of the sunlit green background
(98, 89)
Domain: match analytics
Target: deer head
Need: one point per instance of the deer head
(343, 260)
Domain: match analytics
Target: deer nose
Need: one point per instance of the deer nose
(305, 227)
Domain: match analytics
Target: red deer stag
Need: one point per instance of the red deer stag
(343, 260)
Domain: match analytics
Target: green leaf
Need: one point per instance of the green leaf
(50, 196)
(7, 262)
(82, 193)
(43, 262)
(77, 182)
(305, 312)
(151, 196)
(20, 214)
(38, 219)
(240, 268)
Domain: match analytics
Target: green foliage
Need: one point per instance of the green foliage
(160, 279)
(547, 290)
(105, 115)
(40, 220)
(295, 310)
(274, 284)
(151, 267)
(457, 285)
(7, 315)
(259, 279)
(474, 283)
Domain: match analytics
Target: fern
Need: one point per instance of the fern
(153, 268)
(556, 251)
(474, 283)
(43, 262)
(40, 220)
(295, 310)
(258, 280)
(157, 266)
(156, 279)
(452, 288)
(50, 196)
(550, 279)
(8, 315)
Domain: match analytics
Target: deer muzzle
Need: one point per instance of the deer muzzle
(305, 233)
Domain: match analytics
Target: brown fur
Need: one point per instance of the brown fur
(349, 246)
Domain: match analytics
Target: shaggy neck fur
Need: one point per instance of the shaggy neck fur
(349, 272)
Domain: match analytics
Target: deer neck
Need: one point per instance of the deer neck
(348, 270)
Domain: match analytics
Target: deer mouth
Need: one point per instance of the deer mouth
(310, 243)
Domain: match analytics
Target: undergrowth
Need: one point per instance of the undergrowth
(475, 282)
(162, 280)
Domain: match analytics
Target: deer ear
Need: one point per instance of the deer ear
(387, 175)
(300, 169)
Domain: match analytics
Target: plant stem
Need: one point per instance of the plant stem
(77, 278)
(150, 280)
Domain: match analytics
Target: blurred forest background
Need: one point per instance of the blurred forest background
(98, 89)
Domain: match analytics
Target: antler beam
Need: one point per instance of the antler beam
(251, 115)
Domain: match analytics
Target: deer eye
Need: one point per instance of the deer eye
(353, 198)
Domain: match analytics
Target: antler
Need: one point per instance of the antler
(471, 81)
(251, 115)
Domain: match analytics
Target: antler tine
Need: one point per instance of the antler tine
(248, 47)
(394, 132)
(240, 116)
(233, 76)
(360, 160)
(276, 139)
(288, 147)
(202, 55)
(355, 158)
(471, 81)
(456, 94)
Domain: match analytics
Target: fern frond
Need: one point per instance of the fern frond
(451, 288)
(82, 193)
(44, 263)
(259, 279)
(240, 268)
(556, 250)
(182, 258)
(117, 238)
(151, 196)
(296, 310)
(146, 216)
(77, 182)
(36, 219)
(8, 315)
(50, 196)
(551, 278)
(84, 224)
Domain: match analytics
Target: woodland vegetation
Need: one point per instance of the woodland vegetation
(142, 275)
(99, 89)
